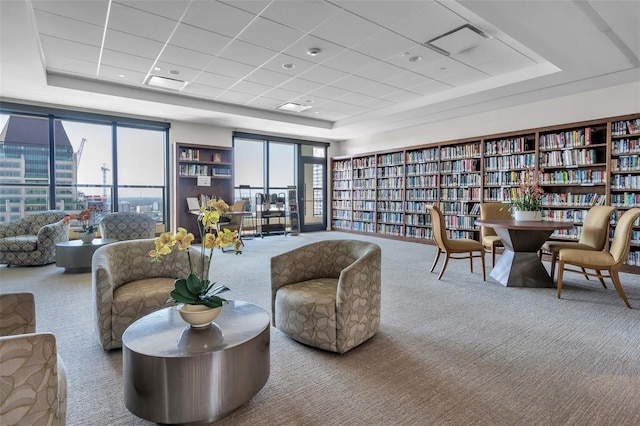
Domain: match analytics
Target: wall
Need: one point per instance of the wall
(617, 100)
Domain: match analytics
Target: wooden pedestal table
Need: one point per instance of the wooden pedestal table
(519, 265)
(175, 374)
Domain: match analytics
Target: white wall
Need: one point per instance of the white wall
(199, 134)
(613, 101)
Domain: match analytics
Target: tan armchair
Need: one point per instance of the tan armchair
(327, 294)
(464, 247)
(605, 264)
(126, 285)
(32, 240)
(124, 226)
(595, 233)
(34, 382)
(488, 236)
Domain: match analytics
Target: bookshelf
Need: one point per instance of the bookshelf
(583, 164)
(201, 171)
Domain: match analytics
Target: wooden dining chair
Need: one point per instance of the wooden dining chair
(595, 233)
(488, 236)
(464, 247)
(606, 264)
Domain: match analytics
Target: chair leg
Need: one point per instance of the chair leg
(604, 285)
(471, 261)
(484, 272)
(554, 258)
(444, 265)
(493, 256)
(435, 262)
(560, 272)
(616, 282)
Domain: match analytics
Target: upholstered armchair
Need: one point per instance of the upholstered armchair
(32, 240)
(124, 226)
(327, 294)
(127, 285)
(33, 378)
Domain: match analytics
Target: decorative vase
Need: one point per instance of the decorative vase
(87, 237)
(198, 315)
(527, 216)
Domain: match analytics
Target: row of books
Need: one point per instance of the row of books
(418, 219)
(504, 178)
(422, 233)
(568, 158)
(569, 199)
(389, 229)
(455, 221)
(460, 194)
(390, 159)
(364, 183)
(576, 176)
(508, 146)
(341, 195)
(342, 165)
(364, 194)
(363, 216)
(364, 205)
(422, 181)
(341, 214)
(625, 182)
(395, 206)
(625, 127)
(341, 174)
(460, 151)
(364, 173)
(461, 180)
(341, 224)
(422, 194)
(422, 169)
(460, 166)
(626, 146)
(390, 217)
(341, 204)
(569, 139)
(517, 161)
(459, 208)
(390, 171)
(427, 154)
(390, 194)
(189, 154)
(342, 184)
(626, 163)
(363, 226)
(627, 199)
(390, 182)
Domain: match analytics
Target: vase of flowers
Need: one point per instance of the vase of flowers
(195, 295)
(87, 219)
(527, 203)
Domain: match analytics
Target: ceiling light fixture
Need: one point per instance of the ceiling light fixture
(314, 51)
(458, 40)
(293, 107)
(165, 83)
(174, 72)
(288, 66)
(416, 58)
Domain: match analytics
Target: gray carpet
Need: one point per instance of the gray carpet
(453, 352)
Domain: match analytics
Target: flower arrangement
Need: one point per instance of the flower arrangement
(529, 192)
(86, 218)
(197, 289)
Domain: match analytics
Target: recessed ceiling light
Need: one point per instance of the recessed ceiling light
(309, 101)
(458, 40)
(416, 58)
(157, 69)
(293, 107)
(165, 83)
(121, 75)
(288, 66)
(314, 51)
(174, 72)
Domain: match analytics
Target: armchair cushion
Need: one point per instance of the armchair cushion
(123, 226)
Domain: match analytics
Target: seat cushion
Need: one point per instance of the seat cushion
(491, 241)
(135, 300)
(592, 258)
(19, 243)
(556, 246)
(464, 244)
(306, 311)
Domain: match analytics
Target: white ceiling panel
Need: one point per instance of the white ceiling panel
(215, 80)
(350, 61)
(135, 45)
(140, 23)
(323, 75)
(427, 23)
(303, 15)
(193, 38)
(301, 85)
(56, 47)
(234, 97)
(201, 90)
(276, 64)
(265, 76)
(346, 29)
(179, 55)
(119, 76)
(300, 47)
(172, 9)
(229, 68)
(126, 62)
(93, 12)
(66, 28)
(380, 71)
(280, 36)
(247, 53)
(494, 57)
(385, 13)
(384, 44)
(217, 17)
(250, 88)
(353, 83)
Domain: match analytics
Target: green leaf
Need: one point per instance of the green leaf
(190, 300)
(212, 301)
(194, 285)
(181, 289)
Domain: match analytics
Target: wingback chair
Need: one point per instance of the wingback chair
(594, 236)
(124, 226)
(327, 294)
(489, 238)
(127, 285)
(33, 377)
(453, 248)
(32, 240)
(606, 264)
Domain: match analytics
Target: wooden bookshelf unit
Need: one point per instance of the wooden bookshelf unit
(201, 170)
(595, 162)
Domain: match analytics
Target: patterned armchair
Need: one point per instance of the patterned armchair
(327, 294)
(123, 226)
(126, 285)
(34, 382)
(32, 239)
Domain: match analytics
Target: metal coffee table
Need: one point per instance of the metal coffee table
(177, 374)
(75, 256)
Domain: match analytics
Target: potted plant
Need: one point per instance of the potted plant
(196, 297)
(86, 218)
(527, 203)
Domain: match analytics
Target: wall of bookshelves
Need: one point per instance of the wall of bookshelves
(583, 164)
(201, 171)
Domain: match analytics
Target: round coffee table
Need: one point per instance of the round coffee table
(75, 256)
(177, 374)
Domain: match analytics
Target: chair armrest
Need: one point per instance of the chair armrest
(33, 393)
(360, 282)
(14, 228)
(53, 233)
(17, 314)
(103, 274)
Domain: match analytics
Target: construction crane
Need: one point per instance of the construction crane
(79, 153)
(104, 179)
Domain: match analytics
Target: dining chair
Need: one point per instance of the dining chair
(465, 247)
(488, 236)
(595, 233)
(606, 264)
(236, 221)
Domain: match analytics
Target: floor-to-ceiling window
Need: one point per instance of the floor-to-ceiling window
(54, 159)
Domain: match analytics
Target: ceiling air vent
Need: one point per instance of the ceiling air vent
(291, 107)
(165, 83)
(458, 40)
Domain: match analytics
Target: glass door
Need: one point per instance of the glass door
(312, 192)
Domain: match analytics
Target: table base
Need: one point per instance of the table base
(521, 269)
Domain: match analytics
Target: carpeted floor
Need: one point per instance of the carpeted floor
(453, 352)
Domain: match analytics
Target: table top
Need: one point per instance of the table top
(525, 225)
(165, 334)
(80, 243)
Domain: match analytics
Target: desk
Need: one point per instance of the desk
(173, 373)
(75, 256)
(519, 265)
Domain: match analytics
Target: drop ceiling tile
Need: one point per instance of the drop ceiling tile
(172, 9)
(406, 79)
(384, 44)
(264, 76)
(402, 59)
(377, 104)
(125, 61)
(352, 83)
(250, 88)
(281, 94)
(301, 85)
(200, 40)
(234, 97)
(275, 64)
(264, 102)
(346, 29)
(69, 29)
(429, 88)
(247, 53)
(56, 47)
(134, 45)
(251, 6)
(92, 12)
(402, 96)
(427, 23)
(202, 91)
(451, 72)
(215, 80)
(229, 68)
(323, 75)
(494, 57)
(344, 108)
(327, 114)
(300, 47)
(72, 66)
(217, 17)
(380, 71)
(140, 23)
(380, 90)
(176, 72)
(350, 61)
(279, 37)
(329, 92)
(301, 15)
(179, 55)
(114, 74)
(383, 13)
(355, 98)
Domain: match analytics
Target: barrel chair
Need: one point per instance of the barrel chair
(124, 226)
